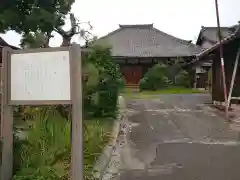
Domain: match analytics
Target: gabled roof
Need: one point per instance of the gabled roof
(227, 39)
(211, 34)
(143, 40)
(235, 35)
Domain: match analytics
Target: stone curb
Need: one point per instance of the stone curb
(104, 159)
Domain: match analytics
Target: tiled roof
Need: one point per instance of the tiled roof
(146, 41)
(233, 36)
(211, 34)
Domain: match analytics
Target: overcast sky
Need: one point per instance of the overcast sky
(180, 18)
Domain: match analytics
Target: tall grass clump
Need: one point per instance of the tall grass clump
(96, 136)
(45, 153)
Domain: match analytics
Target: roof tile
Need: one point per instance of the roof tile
(146, 41)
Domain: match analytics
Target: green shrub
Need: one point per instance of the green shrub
(155, 78)
(182, 79)
(143, 85)
(101, 98)
(102, 82)
(120, 78)
(172, 71)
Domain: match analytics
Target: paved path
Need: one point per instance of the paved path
(176, 137)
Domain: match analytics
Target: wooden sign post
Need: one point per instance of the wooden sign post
(43, 76)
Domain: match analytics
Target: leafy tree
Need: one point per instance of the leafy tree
(35, 40)
(31, 15)
(38, 19)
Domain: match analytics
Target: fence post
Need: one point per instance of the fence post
(77, 124)
(6, 122)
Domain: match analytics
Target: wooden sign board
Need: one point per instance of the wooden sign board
(39, 76)
(42, 76)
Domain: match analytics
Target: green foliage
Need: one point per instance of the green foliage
(155, 78)
(31, 15)
(161, 76)
(96, 136)
(182, 79)
(172, 71)
(120, 78)
(45, 154)
(101, 86)
(102, 82)
(34, 40)
(173, 68)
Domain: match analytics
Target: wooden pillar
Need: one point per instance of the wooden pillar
(6, 123)
(77, 123)
(214, 75)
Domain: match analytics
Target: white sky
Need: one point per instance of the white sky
(180, 18)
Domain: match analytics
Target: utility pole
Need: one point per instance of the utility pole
(222, 61)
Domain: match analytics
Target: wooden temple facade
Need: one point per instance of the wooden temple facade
(136, 48)
(134, 69)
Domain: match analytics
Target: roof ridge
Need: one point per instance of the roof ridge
(122, 26)
(109, 34)
(136, 25)
(213, 27)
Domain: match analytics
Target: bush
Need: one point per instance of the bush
(183, 79)
(120, 79)
(100, 97)
(143, 85)
(155, 78)
(102, 81)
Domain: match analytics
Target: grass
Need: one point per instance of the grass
(129, 93)
(96, 136)
(46, 152)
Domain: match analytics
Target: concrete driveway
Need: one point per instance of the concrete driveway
(176, 137)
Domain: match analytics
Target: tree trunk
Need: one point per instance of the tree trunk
(66, 41)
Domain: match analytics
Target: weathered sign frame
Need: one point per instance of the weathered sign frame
(40, 50)
(76, 102)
